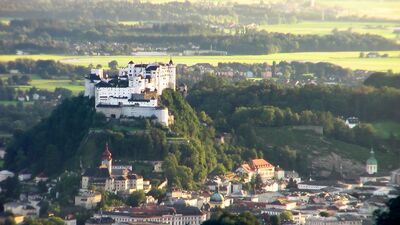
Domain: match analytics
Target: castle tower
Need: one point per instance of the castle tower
(372, 164)
(106, 162)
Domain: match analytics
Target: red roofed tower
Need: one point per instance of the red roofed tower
(107, 159)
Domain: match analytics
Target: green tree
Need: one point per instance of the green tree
(275, 220)
(113, 65)
(391, 215)
(136, 198)
(286, 215)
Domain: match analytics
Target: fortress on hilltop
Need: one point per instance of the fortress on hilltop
(134, 92)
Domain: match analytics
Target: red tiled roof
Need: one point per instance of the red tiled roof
(260, 163)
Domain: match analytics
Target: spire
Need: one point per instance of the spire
(170, 61)
(372, 151)
(107, 154)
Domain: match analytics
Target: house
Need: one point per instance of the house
(100, 221)
(352, 122)
(24, 175)
(2, 152)
(41, 178)
(271, 186)
(25, 208)
(257, 167)
(395, 177)
(279, 173)
(88, 199)
(4, 174)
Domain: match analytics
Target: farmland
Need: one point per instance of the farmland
(326, 27)
(349, 60)
(50, 85)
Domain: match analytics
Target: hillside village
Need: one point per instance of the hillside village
(266, 190)
(258, 186)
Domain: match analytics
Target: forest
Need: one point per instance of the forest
(82, 37)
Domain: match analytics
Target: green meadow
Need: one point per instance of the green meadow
(50, 85)
(349, 60)
(383, 29)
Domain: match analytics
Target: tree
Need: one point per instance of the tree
(158, 194)
(136, 198)
(275, 220)
(391, 215)
(286, 215)
(324, 214)
(113, 65)
(224, 218)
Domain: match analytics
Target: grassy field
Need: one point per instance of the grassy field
(369, 8)
(326, 27)
(50, 85)
(344, 59)
(387, 128)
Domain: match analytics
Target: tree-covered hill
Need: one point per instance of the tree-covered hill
(379, 80)
(74, 134)
(261, 116)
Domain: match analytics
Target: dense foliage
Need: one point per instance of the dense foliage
(219, 99)
(43, 68)
(204, 12)
(391, 215)
(379, 80)
(106, 37)
(231, 219)
(51, 145)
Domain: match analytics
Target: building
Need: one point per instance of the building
(352, 122)
(172, 215)
(372, 164)
(88, 199)
(395, 177)
(100, 221)
(134, 92)
(27, 209)
(113, 180)
(334, 220)
(4, 174)
(257, 167)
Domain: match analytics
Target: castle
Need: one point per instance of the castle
(134, 92)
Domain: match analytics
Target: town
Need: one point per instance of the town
(268, 191)
(114, 191)
(199, 112)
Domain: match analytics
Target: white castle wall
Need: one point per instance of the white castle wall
(134, 111)
(114, 101)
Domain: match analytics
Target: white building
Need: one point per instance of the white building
(4, 174)
(134, 92)
(113, 180)
(335, 220)
(88, 199)
(372, 164)
(27, 209)
(176, 215)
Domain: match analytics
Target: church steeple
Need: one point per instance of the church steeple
(107, 159)
(372, 163)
